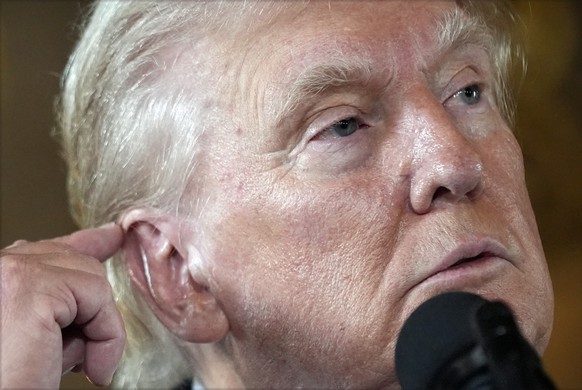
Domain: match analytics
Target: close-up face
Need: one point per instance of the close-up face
(362, 162)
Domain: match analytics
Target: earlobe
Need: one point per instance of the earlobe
(158, 258)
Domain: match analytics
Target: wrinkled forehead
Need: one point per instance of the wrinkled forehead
(359, 33)
(280, 51)
(309, 46)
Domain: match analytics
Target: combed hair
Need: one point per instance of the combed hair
(130, 137)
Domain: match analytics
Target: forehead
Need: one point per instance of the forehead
(324, 28)
(359, 39)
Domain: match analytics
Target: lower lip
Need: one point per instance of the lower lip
(471, 274)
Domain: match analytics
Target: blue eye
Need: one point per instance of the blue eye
(470, 95)
(343, 128)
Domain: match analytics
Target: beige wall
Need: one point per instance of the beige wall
(37, 35)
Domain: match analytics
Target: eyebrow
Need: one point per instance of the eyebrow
(455, 29)
(321, 78)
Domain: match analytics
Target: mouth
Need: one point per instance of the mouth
(467, 260)
(470, 263)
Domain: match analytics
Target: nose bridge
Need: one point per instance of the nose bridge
(445, 163)
(434, 128)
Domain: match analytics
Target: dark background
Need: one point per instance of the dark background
(37, 37)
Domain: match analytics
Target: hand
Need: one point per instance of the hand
(57, 310)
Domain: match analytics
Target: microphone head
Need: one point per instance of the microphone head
(437, 332)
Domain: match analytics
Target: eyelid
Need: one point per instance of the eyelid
(326, 133)
(465, 77)
(329, 117)
(324, 119)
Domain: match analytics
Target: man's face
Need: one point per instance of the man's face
(361, 161)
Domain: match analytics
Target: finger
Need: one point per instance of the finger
(83, 306)
(103, 332)
(72, 290)
(105, 347)
(101, 360)
(73, 348)
(52, 258)
(93, 330)
(41, 300)
(100, 243)
(17, 243)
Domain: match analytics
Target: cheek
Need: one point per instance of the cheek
(533, 302)
(505, 177)
(308, 241)
(312, 261)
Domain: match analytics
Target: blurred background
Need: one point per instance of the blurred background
(37, 36)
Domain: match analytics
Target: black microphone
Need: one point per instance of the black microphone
(460, 341)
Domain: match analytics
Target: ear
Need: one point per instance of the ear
(158, 258)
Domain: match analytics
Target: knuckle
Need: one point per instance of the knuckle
(18, 281)
(12, 271)
(102, 285)
(18, 243)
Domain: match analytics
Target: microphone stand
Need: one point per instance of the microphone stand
(501, 360)
(512, 361)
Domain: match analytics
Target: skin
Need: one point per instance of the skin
(58, 311)
(313, 248)
(336, 238)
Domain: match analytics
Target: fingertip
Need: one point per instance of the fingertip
(114, 232)
(101, 365)
(98, 382)
(110, 227)
(101, 242)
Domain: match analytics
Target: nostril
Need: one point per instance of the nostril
(441, 191)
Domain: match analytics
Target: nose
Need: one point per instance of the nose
(446, 167)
